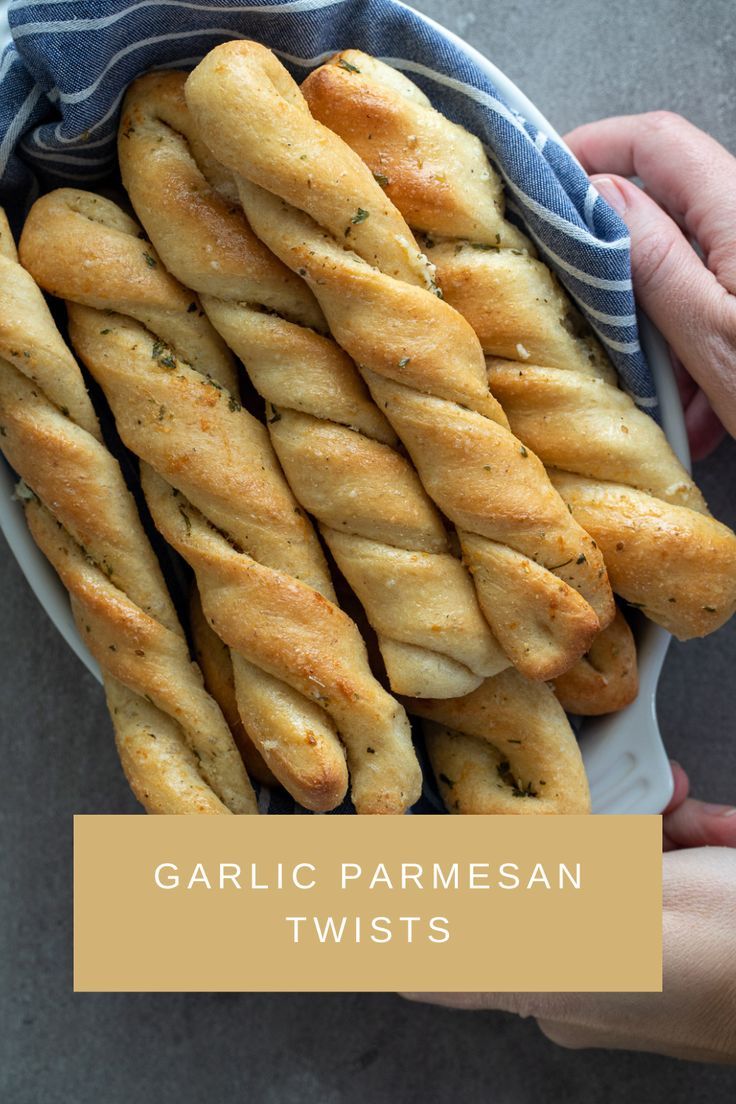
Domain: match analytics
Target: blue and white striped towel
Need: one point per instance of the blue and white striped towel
(62, 82)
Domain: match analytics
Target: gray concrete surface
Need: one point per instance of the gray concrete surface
(577, 61)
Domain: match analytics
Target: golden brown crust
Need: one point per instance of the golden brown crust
(505, 748)
(517, 308)
(309, 197)
(216, 492)
(285, 619)
(337, 450)
(549, 373)
(673, 563)
(596, 430)
(162, 771)
(216, 665)
(84, 520)
(606, 679)
(419, 159)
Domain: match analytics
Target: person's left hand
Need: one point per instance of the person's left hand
(695, 1015)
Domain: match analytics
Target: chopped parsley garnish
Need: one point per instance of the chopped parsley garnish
(347, 66)
(524, 791)
(187, 519)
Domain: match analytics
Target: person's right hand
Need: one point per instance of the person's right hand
(695, 1015)
(690, 193)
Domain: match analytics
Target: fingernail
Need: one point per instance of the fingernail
(719, 810)
(612, 194)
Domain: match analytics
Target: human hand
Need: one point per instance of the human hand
(695, 1015)
(689, 193)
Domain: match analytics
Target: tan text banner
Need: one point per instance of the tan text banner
(314, 903)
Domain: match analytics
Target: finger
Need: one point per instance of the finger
(681, 786)
(684, 169)
(680, 791)
(683, 299)
(686, 385)
(574, 1036)
(584, 1037)
(705, 429)
(698, 824)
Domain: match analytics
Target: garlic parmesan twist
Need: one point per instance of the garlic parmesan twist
(338, 451)
(505, 748)
(175, 747)
(217, 495)
(540, 579)
(610, 461)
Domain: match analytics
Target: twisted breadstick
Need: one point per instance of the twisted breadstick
(215, 663)
(337, 450)
(606, 679)
(540, 579)
(174, 745)
(505, 748)
(217, 495)
(616, 471)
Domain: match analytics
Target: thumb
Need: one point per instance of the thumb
(698, 824)
(696, 315)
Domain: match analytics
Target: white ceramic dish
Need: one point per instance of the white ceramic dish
(623, 752)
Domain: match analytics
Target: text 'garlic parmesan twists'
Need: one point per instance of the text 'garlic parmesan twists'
(505, 748)
(540, 579)
(609, 460)
(337, 450)
(217, 495)
(175, 747)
